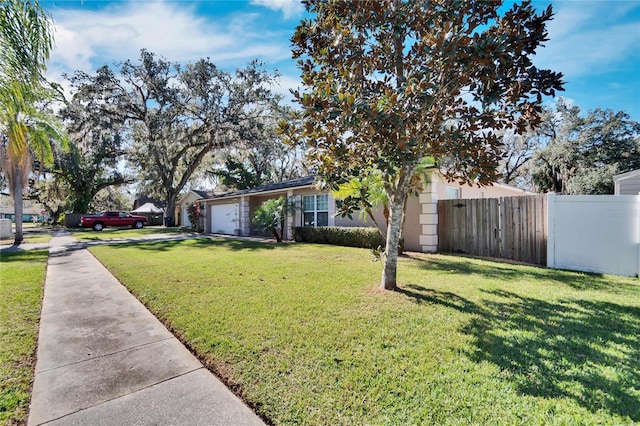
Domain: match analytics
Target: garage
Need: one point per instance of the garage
(224, 218)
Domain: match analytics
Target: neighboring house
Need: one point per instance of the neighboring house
(231, 213)
(31, 214)
(142, 200)
(152, 212)
(627, 183)
(183, 203)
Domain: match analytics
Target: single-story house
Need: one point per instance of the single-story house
(29, 214)
(231, 213)
(151, 212)
(184, 202)
(627, 183)
(143, 199)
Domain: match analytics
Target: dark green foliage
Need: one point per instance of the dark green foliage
(583, 153)
(340, 236)
(271, 216)
(236, 174)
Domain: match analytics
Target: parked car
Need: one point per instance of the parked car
(114, 218)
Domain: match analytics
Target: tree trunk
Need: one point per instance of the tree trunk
(170, 210)
(394, 229)
(17, 201)
(275, 234)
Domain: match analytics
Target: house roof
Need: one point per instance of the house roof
(199, 194)
(514, 188)
(627, 175)
(203, 194)
(148, 208)
(288, 184)
(142, 200)
(29, 210)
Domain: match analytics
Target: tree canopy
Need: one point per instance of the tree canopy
(390, 82)
(96, 150)
(177, 115)
(260, 155)
(581, 154)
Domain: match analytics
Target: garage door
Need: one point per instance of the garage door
(224, 218)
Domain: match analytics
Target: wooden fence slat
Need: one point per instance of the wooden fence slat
(509, 227)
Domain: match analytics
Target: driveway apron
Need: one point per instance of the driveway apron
(104, 359)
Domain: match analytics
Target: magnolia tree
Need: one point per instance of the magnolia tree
(390, 82)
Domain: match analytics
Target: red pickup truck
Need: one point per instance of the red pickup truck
(99, 220)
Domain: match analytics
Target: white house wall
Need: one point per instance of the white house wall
(183, 206)
(627, 183)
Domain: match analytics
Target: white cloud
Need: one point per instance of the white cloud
(87, 39)
(289, 8)
(590, 38)
(285, 84)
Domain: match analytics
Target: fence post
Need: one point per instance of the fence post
(551, 229)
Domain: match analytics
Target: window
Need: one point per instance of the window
(315, 210)
(452, 193)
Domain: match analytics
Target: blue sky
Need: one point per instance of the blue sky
(596, 44)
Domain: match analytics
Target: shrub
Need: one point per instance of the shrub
(195, 213)
(272, 215)
(340, 236)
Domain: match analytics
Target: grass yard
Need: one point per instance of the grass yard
(88, 234)
(303, 334)
(32, 235)
(22, 278)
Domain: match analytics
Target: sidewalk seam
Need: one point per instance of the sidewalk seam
(106, 355)
(123, 395)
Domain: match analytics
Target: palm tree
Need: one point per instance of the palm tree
(26, 39)
(370, 193)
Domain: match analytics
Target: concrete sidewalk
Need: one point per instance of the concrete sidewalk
(104, 359)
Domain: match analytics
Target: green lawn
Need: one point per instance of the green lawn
(32, 234)
(301, 332)
(88, 234)
(21, 282)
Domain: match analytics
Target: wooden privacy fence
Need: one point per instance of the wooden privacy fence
(510, 227)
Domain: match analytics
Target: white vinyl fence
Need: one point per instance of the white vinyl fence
(594, 233)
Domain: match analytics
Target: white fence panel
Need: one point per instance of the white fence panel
(5, 228)
(594, 233)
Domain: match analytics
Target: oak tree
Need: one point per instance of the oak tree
(177, 115)
(260, 155)
(390, 82)
(93, 161)
(181, 114)
(582, 153)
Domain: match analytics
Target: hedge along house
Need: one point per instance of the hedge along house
(231, 213)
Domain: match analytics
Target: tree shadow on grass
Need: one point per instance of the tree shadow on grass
(505, 271)
(203, 243)
(23, 256)
(584, 350)
(422, 295)
(588, 351)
